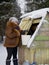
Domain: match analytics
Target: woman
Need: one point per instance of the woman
(12, 34)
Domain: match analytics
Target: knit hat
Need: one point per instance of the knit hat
(13, 19)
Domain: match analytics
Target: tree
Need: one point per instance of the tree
(8, 8)
(36, 4)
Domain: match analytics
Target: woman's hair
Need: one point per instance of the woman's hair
(13, 19)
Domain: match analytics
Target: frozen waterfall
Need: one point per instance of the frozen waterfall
(22, 5)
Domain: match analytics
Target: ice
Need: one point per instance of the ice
(22, 5)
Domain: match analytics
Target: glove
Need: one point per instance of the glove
(24, 31)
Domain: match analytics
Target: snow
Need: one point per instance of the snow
(25, 39)
(3, 54)
(36, 13)
(22, 5)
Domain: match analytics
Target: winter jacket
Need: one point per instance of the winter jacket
(12, 34)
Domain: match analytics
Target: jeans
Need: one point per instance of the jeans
(10, 52)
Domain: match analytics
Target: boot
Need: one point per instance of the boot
(15, 62)
(8, 62)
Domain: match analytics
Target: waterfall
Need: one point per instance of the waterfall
(22, 5)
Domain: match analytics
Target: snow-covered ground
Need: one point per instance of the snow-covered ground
(3, 55)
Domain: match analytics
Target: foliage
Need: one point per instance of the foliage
(8, 8)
